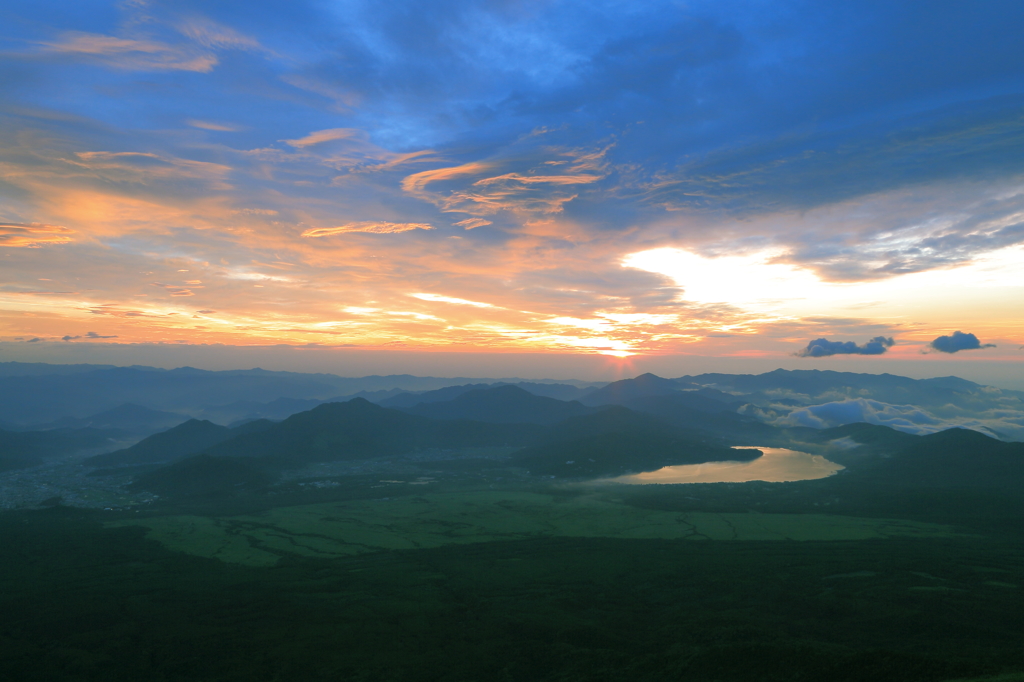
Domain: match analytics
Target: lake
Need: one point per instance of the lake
(777, 465)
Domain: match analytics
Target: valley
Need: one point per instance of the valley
(486, 530)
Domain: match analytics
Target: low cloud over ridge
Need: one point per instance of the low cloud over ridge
(820, 348)
(958, 341)
(1001, 424)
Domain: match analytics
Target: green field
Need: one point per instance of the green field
(433, 520)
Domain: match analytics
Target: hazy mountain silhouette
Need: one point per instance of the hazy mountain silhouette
(609, 419)
(619, 392)
(557, 391)
(130, 418)
(183, 440)
(40, 399)
(617, 440)
(564, 392)
(811, 386)
(404, 400)
(39, 393)
(359, 429)
(20, 449)
(24, 369)
(954, 458)
(880, 438)
(203, 475)
(278, 409)
(504, 405)
(192, 437)
(816, 381)
(695, 410)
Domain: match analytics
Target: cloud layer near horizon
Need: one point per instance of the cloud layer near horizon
(718, 178)
(907, 418)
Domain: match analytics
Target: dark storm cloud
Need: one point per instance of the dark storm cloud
(820, 348)
(958, 341)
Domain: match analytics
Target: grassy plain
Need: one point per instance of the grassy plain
(529, 581)
(434, 520)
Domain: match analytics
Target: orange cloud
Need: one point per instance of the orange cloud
(540, 179)
(319, 136)
(471, 223)
(417, 182)
(129, 54)
(209, 125)
(369, 226)
(33, 235)
(144, 166)
(516, 192)
(100, 214)
(176, 290)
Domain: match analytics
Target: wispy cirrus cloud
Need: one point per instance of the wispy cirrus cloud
(472, 223)
(33, 235)
(642, 189)
(131, 54)
(175, 289)
(416, 183)
(321, 136)
(211, 125)
(366, 226)
(534, 189)
(208, 33)
(186, 45)
(438, 298)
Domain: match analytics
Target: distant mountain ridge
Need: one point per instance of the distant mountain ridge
(360, 429)
(781, 398)
(618, 392)
(127, 417)
(596, 441)
(20, 449)
(603, 441)
(192, 437)
(502, 404)
(564, 392)
(30, 394)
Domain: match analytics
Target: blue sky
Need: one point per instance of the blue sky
(717, 179)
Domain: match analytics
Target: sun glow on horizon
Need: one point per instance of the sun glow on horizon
(409, 208)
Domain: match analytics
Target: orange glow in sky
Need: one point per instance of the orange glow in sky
(208, 179)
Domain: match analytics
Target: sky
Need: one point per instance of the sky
(673, 185)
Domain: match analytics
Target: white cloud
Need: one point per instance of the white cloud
(906, 418)
(369, 226)
(437, 298)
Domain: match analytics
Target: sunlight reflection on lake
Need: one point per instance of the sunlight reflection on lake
(777, 465)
